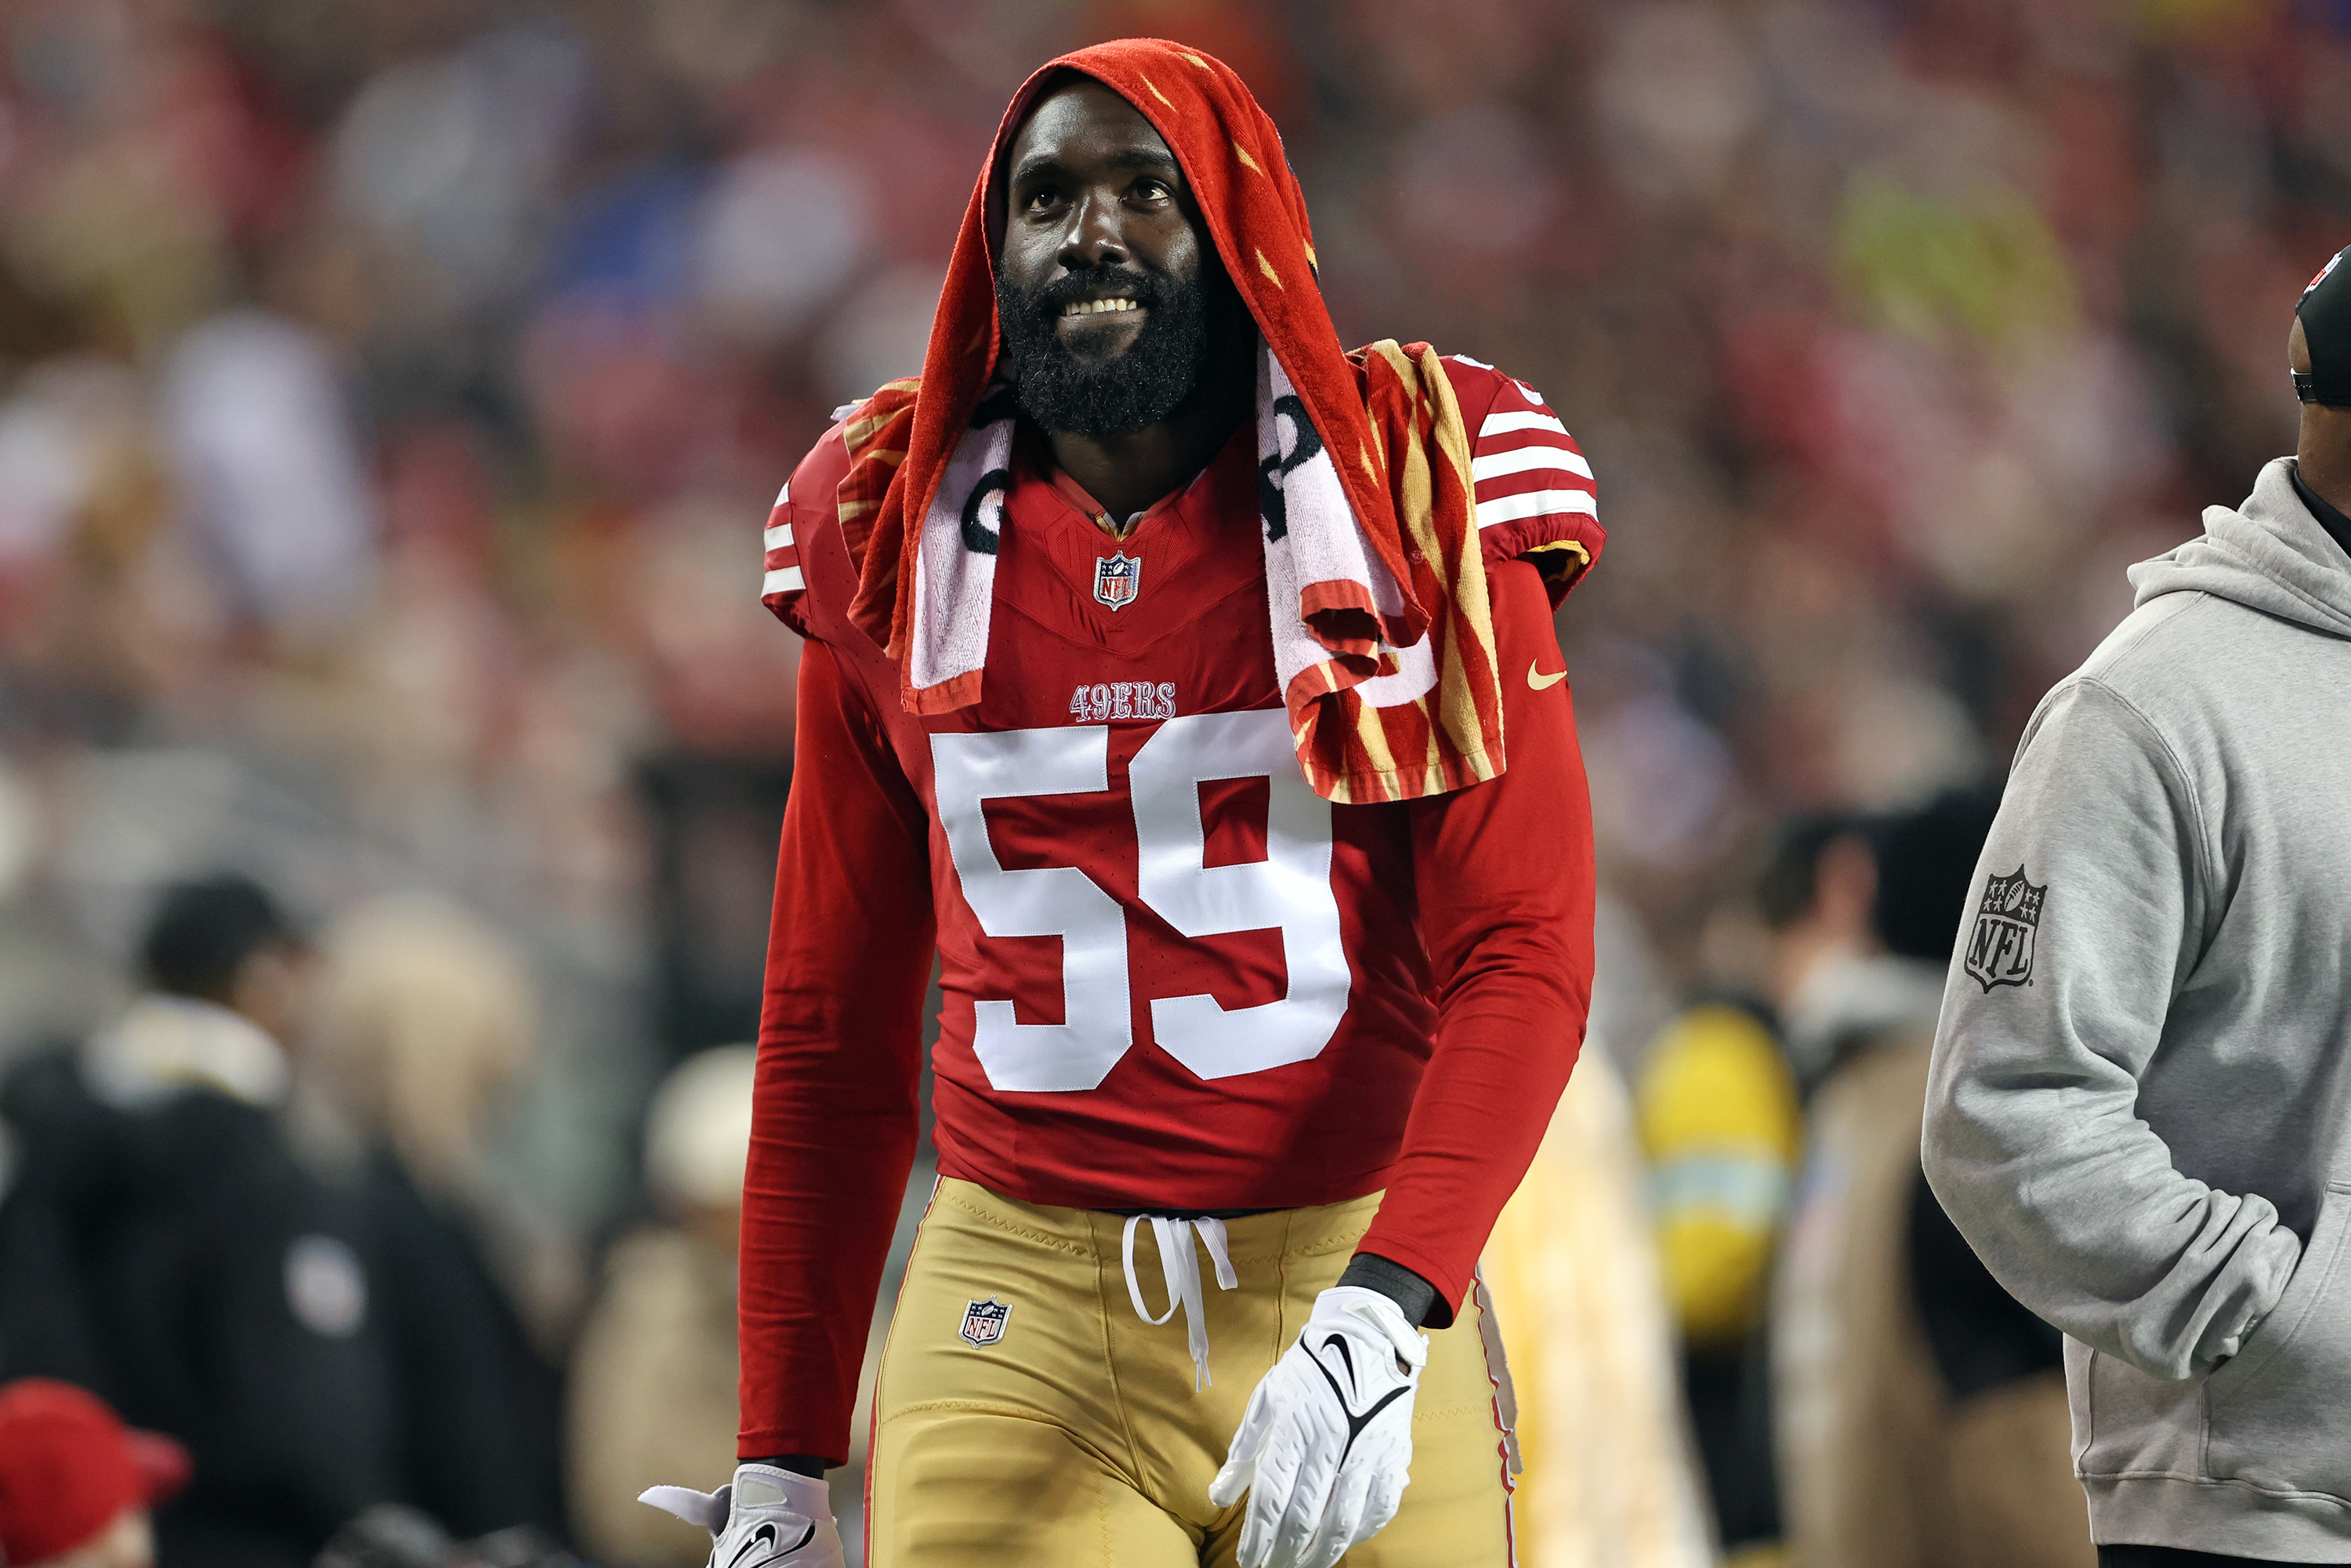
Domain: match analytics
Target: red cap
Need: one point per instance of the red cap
(70, 1468)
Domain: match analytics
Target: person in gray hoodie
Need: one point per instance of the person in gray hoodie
(2141, 1080)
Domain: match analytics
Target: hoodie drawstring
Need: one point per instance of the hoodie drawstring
(1182, 1267)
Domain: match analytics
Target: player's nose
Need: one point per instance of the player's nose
(1094, 237)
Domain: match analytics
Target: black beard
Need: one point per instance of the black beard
(1065, 390)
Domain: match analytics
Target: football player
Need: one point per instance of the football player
(1189, 687)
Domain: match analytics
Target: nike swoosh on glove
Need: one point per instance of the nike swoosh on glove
(1327, 1437)
(765, 1515)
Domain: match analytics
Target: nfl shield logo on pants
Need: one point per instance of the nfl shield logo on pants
(1117, 579)
(983, 1321)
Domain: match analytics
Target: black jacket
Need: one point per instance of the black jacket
(182, 1263)
(481, 1412)
(320, 1347)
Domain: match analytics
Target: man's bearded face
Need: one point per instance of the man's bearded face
(1075, 378)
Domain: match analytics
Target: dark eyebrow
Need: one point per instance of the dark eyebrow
(1037, 165)
(1043, 163)
(1145, 158)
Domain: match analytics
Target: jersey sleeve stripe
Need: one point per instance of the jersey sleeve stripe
(779, 535)
(1536, 494)
(1495, 464)
(1504, 423)
(1535, 503)
(785, 580)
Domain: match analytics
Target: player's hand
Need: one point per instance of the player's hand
(1327, 1436)
(765, 1516)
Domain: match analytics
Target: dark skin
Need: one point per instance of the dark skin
(2324, 452)
(1092, 185)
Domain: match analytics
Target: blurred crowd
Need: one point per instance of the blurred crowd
(391, 395)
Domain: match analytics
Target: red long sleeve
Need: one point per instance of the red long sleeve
(834, 1116)
(1505, 876)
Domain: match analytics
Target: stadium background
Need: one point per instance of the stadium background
(391, 395)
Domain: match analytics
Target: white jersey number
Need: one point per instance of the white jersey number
(1289, 891)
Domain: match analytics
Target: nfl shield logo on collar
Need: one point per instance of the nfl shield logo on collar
(1117, 579)
(983, 1321)
(2000, 949)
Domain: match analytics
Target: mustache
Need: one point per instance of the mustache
(1094, 282)
(1063, 383)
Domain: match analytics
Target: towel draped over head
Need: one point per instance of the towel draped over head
(1383, 641)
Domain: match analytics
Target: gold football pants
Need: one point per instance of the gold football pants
(1026, 1417)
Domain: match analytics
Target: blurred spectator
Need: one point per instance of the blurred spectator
(1572, 1270)
(1721, 1127)
(653, 1393)
(393, 1535)
(163, 1245)
(428, 1020)
(1718, 1123)
(713, 824)
(256, 419)
(1921, 1413)
(1836, 987)
(76, 1485)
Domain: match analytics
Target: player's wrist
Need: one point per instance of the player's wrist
(798, 1464)
(1414, 1296)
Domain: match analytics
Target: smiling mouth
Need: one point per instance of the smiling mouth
(1081, 307)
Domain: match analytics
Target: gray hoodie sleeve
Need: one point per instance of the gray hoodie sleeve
(2087, 914)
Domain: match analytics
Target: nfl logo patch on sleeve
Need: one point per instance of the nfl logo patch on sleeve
(2000, 949)
(983, 1321)
(1117, 579)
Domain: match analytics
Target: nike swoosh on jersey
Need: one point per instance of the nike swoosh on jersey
(1542, 683)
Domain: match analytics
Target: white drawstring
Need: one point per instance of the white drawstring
(1182, 1267)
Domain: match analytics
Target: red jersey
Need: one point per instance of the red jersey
(1175, 977)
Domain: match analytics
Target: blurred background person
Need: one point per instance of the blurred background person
(654, 1380)
(427, 1019)
(1834, 986)
(1920, 1413)
(164, 1244)
(1721, 1126)
(1572, 1270)
(77, 1486)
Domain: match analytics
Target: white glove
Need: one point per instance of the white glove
(1327, 1436)
(765, 1515)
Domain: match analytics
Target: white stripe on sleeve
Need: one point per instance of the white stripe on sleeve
(787, 579)
(1495, 464)
(1535, 503)
(780, 535)
(1519, 418)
